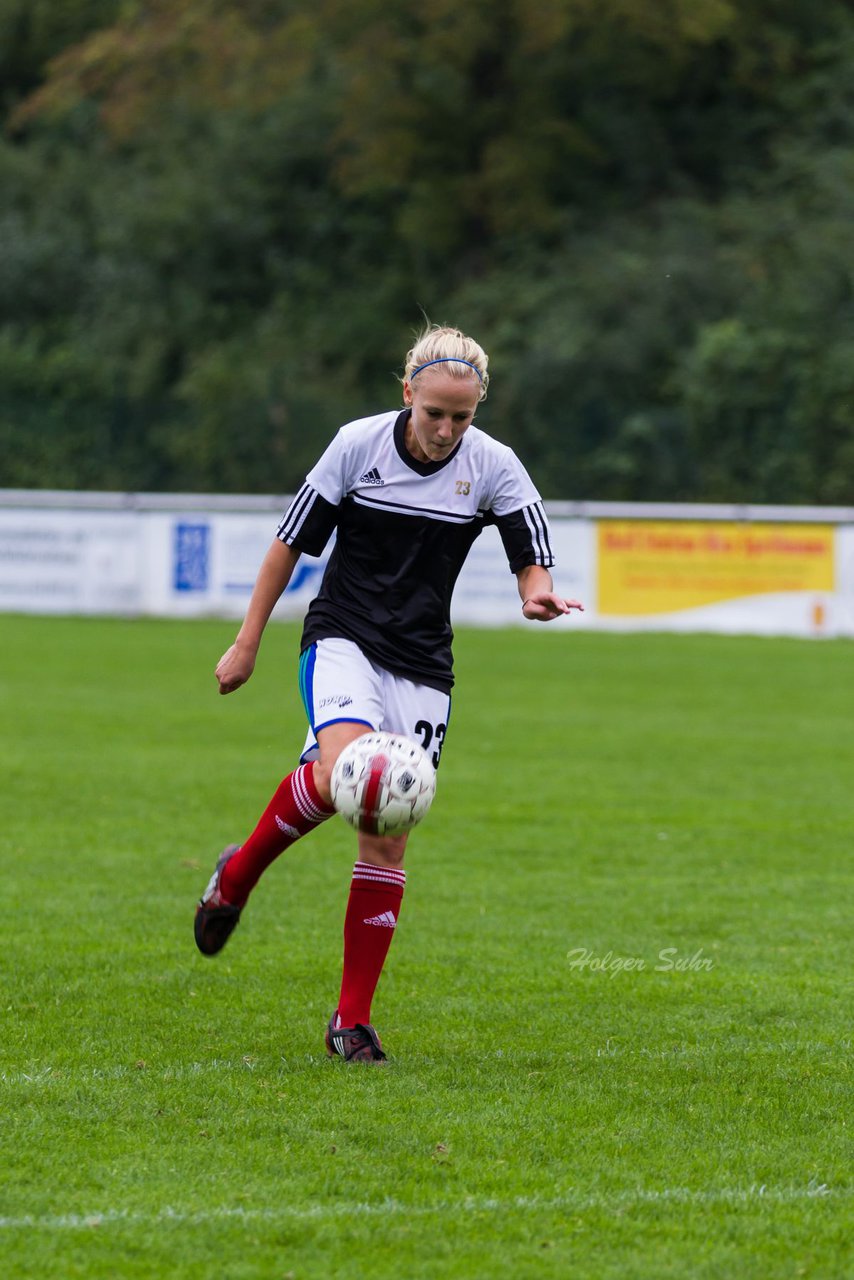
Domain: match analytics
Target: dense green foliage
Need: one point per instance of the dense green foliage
(220, 224)
(167, 1117)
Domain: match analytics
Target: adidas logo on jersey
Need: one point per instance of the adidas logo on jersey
(371, 477)
(387, 920)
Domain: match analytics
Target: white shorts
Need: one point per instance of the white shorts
(338, 682)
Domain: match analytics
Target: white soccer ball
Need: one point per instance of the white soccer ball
(383, 783)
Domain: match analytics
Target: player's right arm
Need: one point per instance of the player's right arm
(237, 663)
(307, 526)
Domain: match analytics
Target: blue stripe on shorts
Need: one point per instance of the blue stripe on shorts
(307, 659)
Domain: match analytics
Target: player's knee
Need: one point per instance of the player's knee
(323, 779)
(332, 742)
(383, 851)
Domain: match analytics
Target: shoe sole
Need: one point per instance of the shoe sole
(212, 933)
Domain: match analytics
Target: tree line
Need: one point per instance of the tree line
(222, 222)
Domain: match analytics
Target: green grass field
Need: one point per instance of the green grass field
(562, 1100)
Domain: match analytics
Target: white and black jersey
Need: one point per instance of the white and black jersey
(404, 530)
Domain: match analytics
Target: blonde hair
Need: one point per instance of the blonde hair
(453, 350)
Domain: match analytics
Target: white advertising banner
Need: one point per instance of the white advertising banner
(760, 571)
(205, 564)
(70, 562)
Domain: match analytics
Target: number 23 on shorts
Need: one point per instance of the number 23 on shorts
(431, 734)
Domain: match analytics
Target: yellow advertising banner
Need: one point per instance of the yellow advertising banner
(661, 566)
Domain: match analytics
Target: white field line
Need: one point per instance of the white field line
(576, 1202)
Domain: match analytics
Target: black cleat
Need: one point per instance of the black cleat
(215, 919)
(354, 1044)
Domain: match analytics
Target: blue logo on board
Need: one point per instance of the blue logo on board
(192, 556)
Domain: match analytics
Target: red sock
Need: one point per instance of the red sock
(295, 809)
(372, 911)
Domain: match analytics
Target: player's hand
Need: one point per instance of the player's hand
(545, 605)
(234, 668)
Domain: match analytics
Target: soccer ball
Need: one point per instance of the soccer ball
(383, 784)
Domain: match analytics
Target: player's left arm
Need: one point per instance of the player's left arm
(540, 602)
(515, 506)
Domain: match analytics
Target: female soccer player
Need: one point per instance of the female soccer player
(408, 492)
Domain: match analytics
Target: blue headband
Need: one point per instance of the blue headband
(446, 360)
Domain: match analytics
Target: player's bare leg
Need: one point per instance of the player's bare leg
(383, 851)
(332, 740)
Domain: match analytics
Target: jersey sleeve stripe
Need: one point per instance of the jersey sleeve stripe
(534, 531)
(296, 514)
(535, 518)
(541, 515)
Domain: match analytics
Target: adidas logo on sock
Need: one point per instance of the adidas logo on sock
(371, 477)
(286, 828)
(386, 920)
